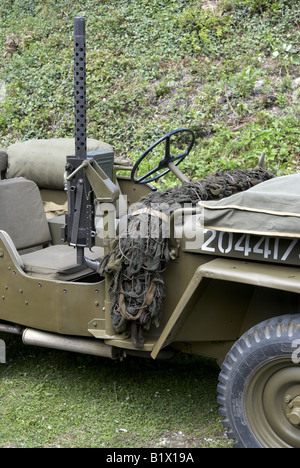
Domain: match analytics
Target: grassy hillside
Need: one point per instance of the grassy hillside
(228, 69)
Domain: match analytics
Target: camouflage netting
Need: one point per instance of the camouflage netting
(138, 258)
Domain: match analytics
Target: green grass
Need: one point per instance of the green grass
(58, 399)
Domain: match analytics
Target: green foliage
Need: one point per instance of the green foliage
(225, 69)
(277, 139)
(204, 31)
(268, 8)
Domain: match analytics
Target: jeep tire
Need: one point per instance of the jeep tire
(259, 386)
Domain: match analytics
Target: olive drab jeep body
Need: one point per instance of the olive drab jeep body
(94, 260)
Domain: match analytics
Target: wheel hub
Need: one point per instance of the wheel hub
(274, 404)
(293, 410)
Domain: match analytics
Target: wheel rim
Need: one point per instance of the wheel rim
(272, 404)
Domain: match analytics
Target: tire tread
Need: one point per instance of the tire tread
(287, 325)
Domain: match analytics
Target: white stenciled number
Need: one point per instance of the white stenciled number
(243, 245)
(289, 249)
(223, 245)
(276, 247)
(267, 247)
(262, 247)
(209, 240)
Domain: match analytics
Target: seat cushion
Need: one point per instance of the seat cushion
(58, 262)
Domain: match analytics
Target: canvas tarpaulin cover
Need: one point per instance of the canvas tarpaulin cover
(271, 208)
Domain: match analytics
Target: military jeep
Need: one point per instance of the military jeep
(94, 260)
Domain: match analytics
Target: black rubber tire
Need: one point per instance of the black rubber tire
(265, 351)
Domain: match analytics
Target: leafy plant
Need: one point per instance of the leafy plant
(203, 31)
(287, 54)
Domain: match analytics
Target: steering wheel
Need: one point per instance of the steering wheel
(167, 162)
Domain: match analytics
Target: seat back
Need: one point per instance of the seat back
(22, 213)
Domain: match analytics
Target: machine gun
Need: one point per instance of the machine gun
(87, 183)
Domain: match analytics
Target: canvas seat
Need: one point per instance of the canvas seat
(58, 262)
(23, 219)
